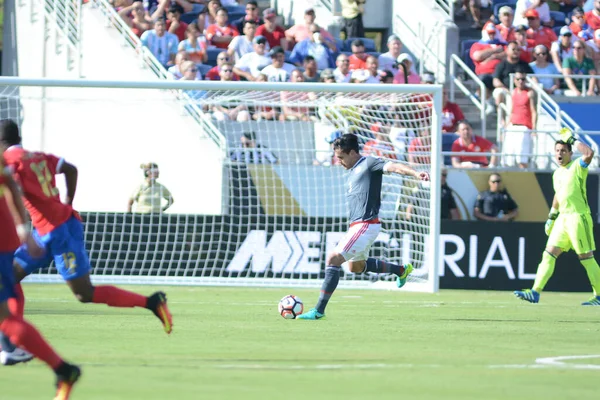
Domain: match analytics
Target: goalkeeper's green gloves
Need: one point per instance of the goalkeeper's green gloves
(550, 222)
(566, 135)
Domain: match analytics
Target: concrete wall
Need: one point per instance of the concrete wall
(108, 133)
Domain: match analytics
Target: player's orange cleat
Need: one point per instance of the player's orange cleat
(66, 377)
(157, 303)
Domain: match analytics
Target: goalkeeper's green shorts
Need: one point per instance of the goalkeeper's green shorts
(573, 231)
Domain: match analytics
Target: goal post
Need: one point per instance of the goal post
(258, 198)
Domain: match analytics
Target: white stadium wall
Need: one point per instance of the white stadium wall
(108, 133)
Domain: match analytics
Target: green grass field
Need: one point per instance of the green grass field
(230, 343)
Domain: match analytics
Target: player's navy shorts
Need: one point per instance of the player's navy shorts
(7, 277)
(65, 245)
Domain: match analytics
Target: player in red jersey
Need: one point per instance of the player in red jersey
(21, 332)
(59, 230)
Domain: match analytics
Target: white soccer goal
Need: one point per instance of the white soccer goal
(241, 216)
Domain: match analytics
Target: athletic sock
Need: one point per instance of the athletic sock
(114, 297)
(332, 277)
(26, 336)
(16, 305)
(544, 271)
(381, 267)
(593, 273)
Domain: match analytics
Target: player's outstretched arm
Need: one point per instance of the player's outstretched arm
(397, 168)
(70, 172)
(566, 135)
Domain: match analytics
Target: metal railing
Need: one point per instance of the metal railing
(447, 6)
(583, 78)
(333, 6)
(148, 60)
(64, 18)
(457, 64)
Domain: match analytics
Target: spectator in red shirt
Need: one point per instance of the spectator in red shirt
(358, 59)
(518, 144)
(274, 33)
(505, 27)
(174, 23)
(527, 45)
(214, 74)
(579, 23)
(469, 143)
(486, 55)
(451, 114)
(221, 33)
(540, 34)
(419, 149)
(593, 17)
(136, 18)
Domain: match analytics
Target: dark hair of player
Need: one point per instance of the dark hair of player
(347, 142)
(569, 147)
(9, 132)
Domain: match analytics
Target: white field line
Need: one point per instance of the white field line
(554, 362)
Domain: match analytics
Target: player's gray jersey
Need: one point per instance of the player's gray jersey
(363, 189)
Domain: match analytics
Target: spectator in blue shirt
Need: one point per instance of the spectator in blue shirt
(313, 46)
(162, 44)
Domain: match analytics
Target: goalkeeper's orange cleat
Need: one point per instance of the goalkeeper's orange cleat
(157, 303)
(66, 377)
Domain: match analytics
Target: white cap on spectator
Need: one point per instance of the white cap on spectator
(565, 31)
(391, 38)
(505, 10)
(403, 57)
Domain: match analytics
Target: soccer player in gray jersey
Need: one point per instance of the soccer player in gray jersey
(363, 196)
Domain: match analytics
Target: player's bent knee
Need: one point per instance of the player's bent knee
(356, 267)
(335, 259)
(19, 273)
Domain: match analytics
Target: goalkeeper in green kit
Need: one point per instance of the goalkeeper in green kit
(569, 224)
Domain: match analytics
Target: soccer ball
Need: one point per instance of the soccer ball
(290, 307)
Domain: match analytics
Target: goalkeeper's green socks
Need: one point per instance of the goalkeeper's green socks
(544, 271)
(593, 272)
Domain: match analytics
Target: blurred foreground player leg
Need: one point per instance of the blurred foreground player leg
(364, 199)
(569, 224)
(14, 327)
(58, 227)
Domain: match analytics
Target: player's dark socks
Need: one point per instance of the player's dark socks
(16, 305)
(114, 297)
(26, 336)
(381, 267)
(332, 277)
(5, 344)
(67, 372)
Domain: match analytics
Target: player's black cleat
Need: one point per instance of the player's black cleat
(66, 377)
(157, 303)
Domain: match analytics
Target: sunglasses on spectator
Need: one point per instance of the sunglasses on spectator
(223, 58)
(519, 79)
(192, 70)
(496, 181)
(227, 70)
(444, 175)
(344, 60)
(358, 52)
(250, 8)
(541, 54)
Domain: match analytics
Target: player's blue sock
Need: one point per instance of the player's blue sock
(332, 277)
(381, 267)
(6, 344)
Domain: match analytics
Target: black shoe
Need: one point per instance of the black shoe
(66, 377)
(157, 303)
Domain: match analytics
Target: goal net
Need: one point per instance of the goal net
(258, 198)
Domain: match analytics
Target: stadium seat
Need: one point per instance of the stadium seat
(447, 140)
(369, 44)
(189, 17)
(559, 18)
(212, 56)
(556, 30)
(498, 6)
(235, 16)
(340, 44)
(203, 68)
(235, 10)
